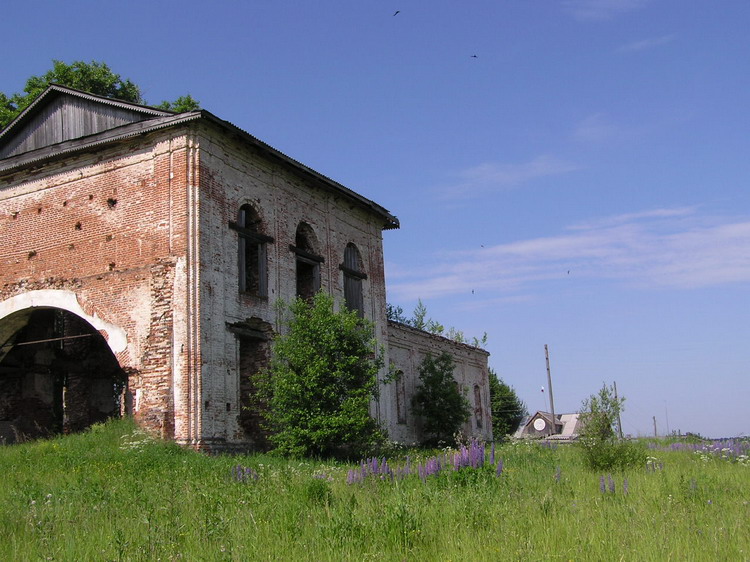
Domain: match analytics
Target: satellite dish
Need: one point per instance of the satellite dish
(539, 424)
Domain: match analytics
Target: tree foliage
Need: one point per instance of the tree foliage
(421, 321)
(599, 414)
(93, 77)
(602, 450)
(180, 105)
(507, 408)
(438, 401)
(322, 378)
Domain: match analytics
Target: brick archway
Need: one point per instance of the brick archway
(58, 369)
(115, 336)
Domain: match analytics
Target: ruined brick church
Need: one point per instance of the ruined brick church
(143, 254)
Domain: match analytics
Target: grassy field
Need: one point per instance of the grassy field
(115, 494)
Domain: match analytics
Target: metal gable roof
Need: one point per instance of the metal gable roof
(64, 121)
(61, 114)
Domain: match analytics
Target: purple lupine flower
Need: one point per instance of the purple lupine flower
(492, 454)
(602, 486)
(611, 483)
(482, 453)
(499, 469)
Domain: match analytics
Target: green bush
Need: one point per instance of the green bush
(322, 378)
(438, 401)
(611, 454)
(602, 450)
(507, 408)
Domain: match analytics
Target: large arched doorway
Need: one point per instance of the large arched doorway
(57, 375)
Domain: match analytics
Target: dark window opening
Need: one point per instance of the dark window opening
(353, 277)
(254, 357)
(308, 279)
(307, 262)
(478, 406)
(253, 259)
(400, 397)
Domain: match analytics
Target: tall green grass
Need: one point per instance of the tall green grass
(115, 494)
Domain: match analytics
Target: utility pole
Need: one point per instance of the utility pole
(549, 385)
(619, 419)
(655, 426)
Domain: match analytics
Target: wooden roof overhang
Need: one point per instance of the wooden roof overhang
(162, 120)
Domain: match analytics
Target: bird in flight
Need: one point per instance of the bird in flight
(397, 12)
(474, 57)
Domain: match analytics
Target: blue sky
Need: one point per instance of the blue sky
(571, 173)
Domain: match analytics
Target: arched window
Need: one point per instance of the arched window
(353, 276)
(253, 270)
(400, 397)
(307, 261)
(478, 405)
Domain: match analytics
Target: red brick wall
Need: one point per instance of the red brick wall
(111, 227)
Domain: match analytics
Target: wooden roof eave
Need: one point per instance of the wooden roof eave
(56, 90)
(66, 148)
(322, 181)
(60, 150)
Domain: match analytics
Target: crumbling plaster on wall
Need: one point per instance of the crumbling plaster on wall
(115, 336)
(233, 175)
(407, 347)
(134, 238)
(110, 228)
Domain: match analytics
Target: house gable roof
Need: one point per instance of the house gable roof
(63, 120)
(62, 114)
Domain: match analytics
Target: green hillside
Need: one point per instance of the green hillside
(115, 494)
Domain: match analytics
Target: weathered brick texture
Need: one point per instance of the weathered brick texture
(139, 237)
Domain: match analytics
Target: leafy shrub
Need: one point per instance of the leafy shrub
(613, 454)
(322, 377)
(507, 408)
(317, 491)
(438, 401)
(598, 440)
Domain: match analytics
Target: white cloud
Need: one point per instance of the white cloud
(633, 217)
(595, 128)
(661, 248)
(645, 44)
(491, 177)
(601, 9)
